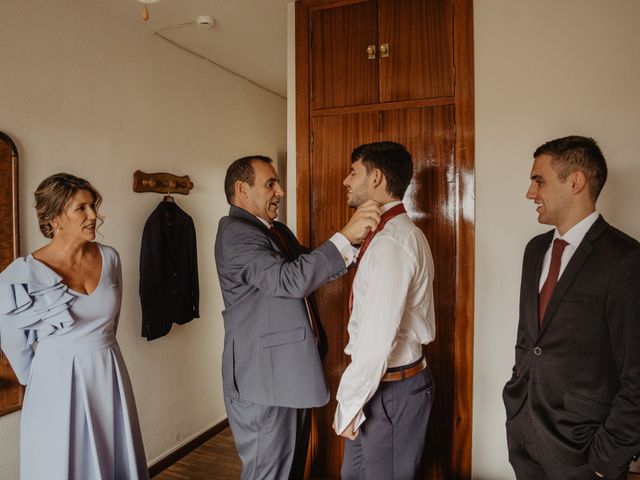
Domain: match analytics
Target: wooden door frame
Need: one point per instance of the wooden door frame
(460, 466)
(10, 214)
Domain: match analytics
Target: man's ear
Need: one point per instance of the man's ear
(377, 177)
(578, 181)
(241, 190)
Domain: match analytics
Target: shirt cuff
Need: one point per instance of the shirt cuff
(343, 418)
(344, 247)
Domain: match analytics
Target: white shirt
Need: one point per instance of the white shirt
(338, 239)
(393, 314)
(573, 237)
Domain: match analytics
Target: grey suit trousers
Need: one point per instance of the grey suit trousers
(391, 439)
(271, 441)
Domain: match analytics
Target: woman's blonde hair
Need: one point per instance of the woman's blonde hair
(53, 194)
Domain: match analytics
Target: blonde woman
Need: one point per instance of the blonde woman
(79, 419)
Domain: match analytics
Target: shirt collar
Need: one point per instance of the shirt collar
(390, 205)
(267, 224)
(575, 234)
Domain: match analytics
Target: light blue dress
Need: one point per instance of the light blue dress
(79, 419)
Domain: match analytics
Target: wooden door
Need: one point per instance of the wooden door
(341, 71)
(428, 133)
(391, 50)
(421, 106)
(334, 139)
(419, 35)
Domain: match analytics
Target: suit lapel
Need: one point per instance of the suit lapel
(168, 217)
(249, 217)
(572, 269)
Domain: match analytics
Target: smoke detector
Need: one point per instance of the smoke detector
(201, 21)
(205, 21)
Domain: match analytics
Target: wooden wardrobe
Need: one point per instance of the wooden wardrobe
(400, 70)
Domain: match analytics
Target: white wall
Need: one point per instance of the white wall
(544, 69)
(86, 92)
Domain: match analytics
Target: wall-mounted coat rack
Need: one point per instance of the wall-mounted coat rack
(161, 183)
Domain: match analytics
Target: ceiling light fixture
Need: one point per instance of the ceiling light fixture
(145, 10)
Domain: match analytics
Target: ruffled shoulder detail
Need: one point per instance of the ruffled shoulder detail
(34, 298)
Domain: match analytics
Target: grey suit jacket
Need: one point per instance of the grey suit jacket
(270, 354)
(580, 372)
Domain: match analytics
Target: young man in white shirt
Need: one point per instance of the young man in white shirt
(385, 394)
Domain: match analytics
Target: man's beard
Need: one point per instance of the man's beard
(357, 199)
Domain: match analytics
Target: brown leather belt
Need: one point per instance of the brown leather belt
(402, 373)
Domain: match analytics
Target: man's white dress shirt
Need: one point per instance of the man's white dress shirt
(393, 314)
(573, 237)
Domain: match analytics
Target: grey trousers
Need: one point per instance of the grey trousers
(391, 439)
(271, 441)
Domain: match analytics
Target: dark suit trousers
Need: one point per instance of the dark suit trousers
(531, 460)
(391, 439)
(271, 442)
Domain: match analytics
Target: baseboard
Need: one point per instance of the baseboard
(172, 457)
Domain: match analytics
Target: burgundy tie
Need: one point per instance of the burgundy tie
(279, 238)
(552, 277)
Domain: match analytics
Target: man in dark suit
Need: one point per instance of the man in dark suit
(573, 402)
(271, 367)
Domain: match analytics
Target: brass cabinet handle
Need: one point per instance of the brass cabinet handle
(384, 50)
(371, 52)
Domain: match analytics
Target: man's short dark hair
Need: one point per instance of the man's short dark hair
(242, 170)
(392, 159)
(577, 153)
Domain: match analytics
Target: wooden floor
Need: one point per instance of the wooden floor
(215, 460)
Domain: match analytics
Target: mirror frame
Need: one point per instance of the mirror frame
(11, 392)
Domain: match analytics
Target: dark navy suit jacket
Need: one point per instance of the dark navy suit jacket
(580, 372)
(169, 291)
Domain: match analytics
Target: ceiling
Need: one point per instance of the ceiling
(249, 36)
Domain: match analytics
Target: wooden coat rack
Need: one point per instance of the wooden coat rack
(161, 183)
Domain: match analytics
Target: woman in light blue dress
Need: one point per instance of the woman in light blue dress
(59, 309)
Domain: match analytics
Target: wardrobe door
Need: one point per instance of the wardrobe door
(418, 90)
(334, 137)
(419, 35)
(428, 133)
(342, 73)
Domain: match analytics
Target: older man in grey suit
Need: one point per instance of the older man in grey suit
(271, 367)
